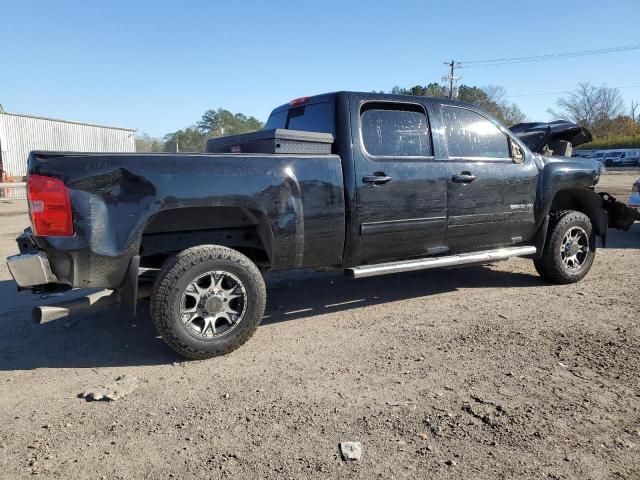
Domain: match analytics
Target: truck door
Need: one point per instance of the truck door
(401, 192)
(490, 194)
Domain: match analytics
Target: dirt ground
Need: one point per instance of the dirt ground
(483, 372)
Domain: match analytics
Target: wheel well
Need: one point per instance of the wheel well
(174, 230)
(582, 200)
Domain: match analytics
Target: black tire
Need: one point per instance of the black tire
(552, 266)
(170, 297)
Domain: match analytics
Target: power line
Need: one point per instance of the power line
(547, 57)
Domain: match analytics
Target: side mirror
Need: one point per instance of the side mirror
(516, 153)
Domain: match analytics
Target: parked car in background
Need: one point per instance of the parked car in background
(622, 158)
(598, 155)
(634, 199)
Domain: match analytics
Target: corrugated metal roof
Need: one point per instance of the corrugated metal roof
(67, 121)
(21, 134)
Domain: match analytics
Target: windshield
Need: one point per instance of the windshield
(613, 155)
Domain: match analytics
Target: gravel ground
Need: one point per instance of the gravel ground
(483, 372)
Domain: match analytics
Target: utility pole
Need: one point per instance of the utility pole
(451, 78)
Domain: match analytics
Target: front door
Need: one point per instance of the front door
(401, 191)
(490, 194)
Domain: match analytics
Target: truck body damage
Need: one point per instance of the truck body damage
(569, 182)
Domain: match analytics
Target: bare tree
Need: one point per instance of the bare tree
(632, 112)
(588, 105)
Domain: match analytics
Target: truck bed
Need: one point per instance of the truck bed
(292, 204)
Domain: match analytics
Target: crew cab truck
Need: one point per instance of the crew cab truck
(367, 183)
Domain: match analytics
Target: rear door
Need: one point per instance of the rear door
(490, 195)
(401, 192)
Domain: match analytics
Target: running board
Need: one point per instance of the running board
(486, 256)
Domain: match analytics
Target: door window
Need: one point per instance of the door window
(470, 135)
(400, 131)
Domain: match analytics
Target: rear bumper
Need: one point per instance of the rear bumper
(31, 269)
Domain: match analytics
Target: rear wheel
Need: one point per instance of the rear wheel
(569, 250)
(207, 301)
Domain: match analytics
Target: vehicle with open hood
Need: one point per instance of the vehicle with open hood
(367, 183)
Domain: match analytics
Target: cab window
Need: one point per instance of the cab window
(471, 135)
(395, 131)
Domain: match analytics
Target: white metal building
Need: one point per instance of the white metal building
(20, 134)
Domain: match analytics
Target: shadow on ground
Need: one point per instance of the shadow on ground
(106, 338)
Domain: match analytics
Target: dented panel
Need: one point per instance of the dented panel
(296, 201)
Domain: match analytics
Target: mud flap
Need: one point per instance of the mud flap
(129, 288)
(540, 238)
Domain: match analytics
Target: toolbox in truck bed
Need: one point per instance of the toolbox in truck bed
(273, 141)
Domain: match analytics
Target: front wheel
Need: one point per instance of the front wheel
(207, 301)
(569, 250)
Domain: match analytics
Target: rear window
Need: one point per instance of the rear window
(315, 117)
(396, 131)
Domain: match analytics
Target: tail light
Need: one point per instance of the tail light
(49, 207)
(296, 102)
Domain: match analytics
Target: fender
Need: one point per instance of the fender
(568, 185)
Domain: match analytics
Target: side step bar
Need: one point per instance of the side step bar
(486, 256)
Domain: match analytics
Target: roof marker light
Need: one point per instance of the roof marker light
(296, 102)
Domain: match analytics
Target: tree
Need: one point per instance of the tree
(634, 108)
(622, 125)
(591, 107)
(216, 123)
(146, 144)
(492, 99)
(431, 90)
(188, 140)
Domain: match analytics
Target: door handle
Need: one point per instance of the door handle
(377, 179)
(464, 177)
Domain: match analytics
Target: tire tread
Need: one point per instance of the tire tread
(548, 265)
(177, 266)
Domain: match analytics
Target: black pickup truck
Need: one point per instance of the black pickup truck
(367, 183)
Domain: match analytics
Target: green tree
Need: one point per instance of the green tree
(188, 140)
(218, 123)
(492, 99)
(431, 90)
(146, 144)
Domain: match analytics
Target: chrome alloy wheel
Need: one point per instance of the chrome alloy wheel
(213, 304)
(575, 248)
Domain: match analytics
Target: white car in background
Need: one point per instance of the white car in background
(621, 158)
(597, 155)
(634, 199)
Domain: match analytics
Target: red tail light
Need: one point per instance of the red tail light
(49, 207)
(296, 102)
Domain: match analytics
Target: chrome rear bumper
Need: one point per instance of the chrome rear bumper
(31, 269)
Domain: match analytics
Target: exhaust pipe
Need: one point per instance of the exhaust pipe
(101, 299)
(47, 313)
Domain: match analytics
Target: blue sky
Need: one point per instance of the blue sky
(158, 65)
